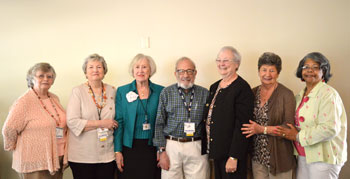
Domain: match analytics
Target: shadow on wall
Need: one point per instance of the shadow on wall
(6, 170)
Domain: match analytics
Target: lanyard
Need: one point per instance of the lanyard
(98, 107)
(144, 109)
(189, 106)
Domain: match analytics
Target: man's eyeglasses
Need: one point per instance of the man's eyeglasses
(188, 71)
(313, 68)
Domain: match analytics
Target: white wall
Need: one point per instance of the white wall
(64, 32)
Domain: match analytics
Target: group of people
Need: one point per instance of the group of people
(183, 130)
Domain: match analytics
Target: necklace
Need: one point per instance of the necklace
(143, 92)
(103, 97)
(53, 105)
(266, 94)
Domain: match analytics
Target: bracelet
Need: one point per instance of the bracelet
(265, 130)
(297, 137)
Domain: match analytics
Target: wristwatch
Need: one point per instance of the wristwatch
(265, 130)
(160, 150)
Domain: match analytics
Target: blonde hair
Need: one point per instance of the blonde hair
(139, 57)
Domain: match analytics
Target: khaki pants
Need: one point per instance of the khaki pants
(262, 172)
(186, 161)
(44, 174)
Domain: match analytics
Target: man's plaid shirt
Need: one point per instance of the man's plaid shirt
(172, 113)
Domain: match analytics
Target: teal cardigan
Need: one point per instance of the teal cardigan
(125, 114)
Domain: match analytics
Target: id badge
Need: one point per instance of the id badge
(102, 134)
(189, 128)
(146, 126)
(59, 133)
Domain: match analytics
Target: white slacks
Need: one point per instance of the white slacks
(317, 170)
(186, 161)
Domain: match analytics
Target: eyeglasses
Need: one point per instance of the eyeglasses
(223, 61)
(313, 68)
(188, 71)
(50, 77)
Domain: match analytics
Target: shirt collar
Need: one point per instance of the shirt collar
(182, 89)
(314, 91)
(150, 84)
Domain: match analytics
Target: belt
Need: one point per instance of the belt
(183, 139)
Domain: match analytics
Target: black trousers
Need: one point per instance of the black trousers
(93, 170)
(140, 161)
(220, 171)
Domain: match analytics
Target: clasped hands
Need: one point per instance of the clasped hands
(252, 128)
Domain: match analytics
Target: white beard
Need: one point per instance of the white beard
(184, 86)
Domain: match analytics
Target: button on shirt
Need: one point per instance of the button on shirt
(172, 113)
(84, 146)
(323, 125)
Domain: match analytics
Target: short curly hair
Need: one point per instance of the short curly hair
(45, 67)
(95, 57)
(237, 56)
(269, 58)
(321, 60)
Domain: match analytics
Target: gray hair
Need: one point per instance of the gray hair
(269, 58)
(95, 57)
(237, 56)
(183, 59)
(321, 60)
(45, 67)
(139, 57)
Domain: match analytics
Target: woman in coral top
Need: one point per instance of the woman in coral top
(35, 129)
(320, 133)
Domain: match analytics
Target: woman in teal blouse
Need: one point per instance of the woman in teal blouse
(136, 109)
(320, 130)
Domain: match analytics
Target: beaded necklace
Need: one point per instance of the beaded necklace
(103, 99)
(53, 105)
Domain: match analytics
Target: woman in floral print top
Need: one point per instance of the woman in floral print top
(321, 123)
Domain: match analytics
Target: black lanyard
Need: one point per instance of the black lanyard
(99, 110)
(189, 106)
(144, 109)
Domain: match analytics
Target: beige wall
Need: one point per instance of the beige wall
(64, 32)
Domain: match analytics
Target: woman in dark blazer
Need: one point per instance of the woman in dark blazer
(136, 109)
(229, 106)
